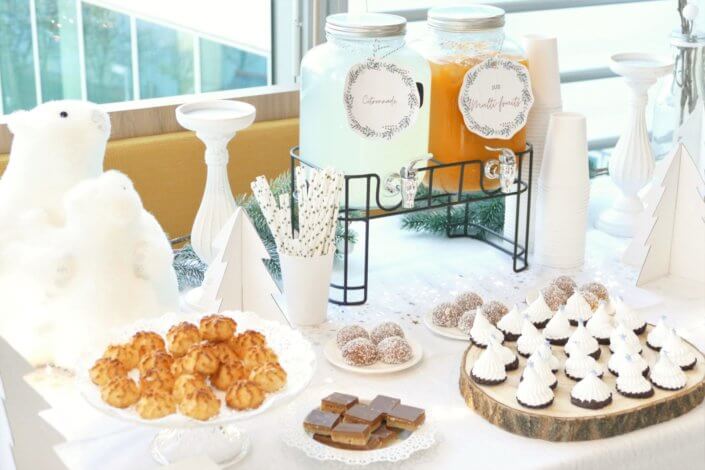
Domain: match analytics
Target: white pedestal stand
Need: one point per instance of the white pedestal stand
(632, 163)
(215, 123)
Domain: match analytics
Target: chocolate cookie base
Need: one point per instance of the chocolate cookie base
(595, 354)
(602, 341)
(647, 394)
(690, 366)
(514, 365)
(541, 325)
(480, 381)
(558, 342)
(578, 379)
(640, 330)
(509, 337)
(591, 404)
(651, 346)
(552, 386)
(536, 407)
(668, 389)
(481, 346)
(645, 372)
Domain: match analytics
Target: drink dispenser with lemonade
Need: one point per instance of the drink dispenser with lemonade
(365, 99)
(480, 91)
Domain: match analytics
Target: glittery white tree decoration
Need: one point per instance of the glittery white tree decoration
(671, 233)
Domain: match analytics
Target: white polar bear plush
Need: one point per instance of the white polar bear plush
(55, 146)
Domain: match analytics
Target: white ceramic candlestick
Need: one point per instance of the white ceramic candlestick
(632, 163)
(215, 123)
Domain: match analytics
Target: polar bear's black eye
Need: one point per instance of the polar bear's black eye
(64, 114)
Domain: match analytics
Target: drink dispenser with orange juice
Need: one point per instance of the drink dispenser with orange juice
(480, 89)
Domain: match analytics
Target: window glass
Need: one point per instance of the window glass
(225, 68)
(16, 59)
(165, 61)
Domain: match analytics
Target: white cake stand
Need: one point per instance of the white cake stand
(632, 163)
(219, 438)
(215, 123)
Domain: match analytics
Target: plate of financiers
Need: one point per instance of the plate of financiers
(346, 428)
(191, 370)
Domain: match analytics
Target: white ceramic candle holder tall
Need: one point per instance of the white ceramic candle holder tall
(215, 123)
(632, 163)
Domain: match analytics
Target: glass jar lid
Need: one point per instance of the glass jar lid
(365, 25)
(465, 19)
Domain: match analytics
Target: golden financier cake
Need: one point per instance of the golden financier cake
(146, 342)
(244, 395)
(124, 353)
(155, 360)
(257, 356)
(270, 377)
(120, 392)
(201, 404)
(200, 359)
(157, 379)
(228, 374)
(217, 328)
(106, 369)
(181, 337)
(155, 404)
(187, 383)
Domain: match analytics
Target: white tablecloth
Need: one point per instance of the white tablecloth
(410, 273)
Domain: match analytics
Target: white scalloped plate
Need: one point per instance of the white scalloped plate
(295, 436)
(295, 353)
(452, 333)
(332, 353)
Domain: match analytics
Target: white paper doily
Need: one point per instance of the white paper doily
(295, 436)
(295, 353)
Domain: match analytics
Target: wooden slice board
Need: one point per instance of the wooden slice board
(563, 421)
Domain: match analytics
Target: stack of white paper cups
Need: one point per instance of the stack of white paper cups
(563, 193)
(542, 54)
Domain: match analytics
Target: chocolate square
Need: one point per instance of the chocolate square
(364, 414)
(406, 417)
(385, 435)
(351, 433)
(384, 403)
(321, 422)
(372, 443)
(338, 402)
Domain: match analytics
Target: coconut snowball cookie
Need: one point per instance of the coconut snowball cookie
(244, 395)
(543, 370)
(201, 404)
(511, 361)
(510, 324)
(217, 327)
(494, 310)
(666, 375)
(624, 339)
(145, 342)
(678, 351)
(349, 333)
(246, 340)
(482, 330)
(591, 392)
(566, 284)
(554, 297)
(468, 301)
(257, 356)
(155, 360)
(394, 350)
(155, 404)
(385, 330)
(577, 308)
(582, 341)
(125, 353)
(157, 379)
(618, 361)
(539, 312)
(187, 383)
(120, 392)
(631, 382)
(558, 329)
(228, 374)
(629, 318)
(489, 368)
(597, 289)
(600, 324)
(105, 369)
(579, 365)
(181, 337)
(270, 377)
(530, 340)
(447, 315)
(359, 352)
(658, 334)
(533, 392)
(466, 321)
(200, 359)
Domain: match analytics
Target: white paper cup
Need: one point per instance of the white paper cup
(306, 282)
(542, 53)
(565, 161)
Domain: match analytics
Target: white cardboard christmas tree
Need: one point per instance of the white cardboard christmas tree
(670, 237)
(237, 278)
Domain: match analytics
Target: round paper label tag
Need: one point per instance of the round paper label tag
(495, 98)
(381, 99)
